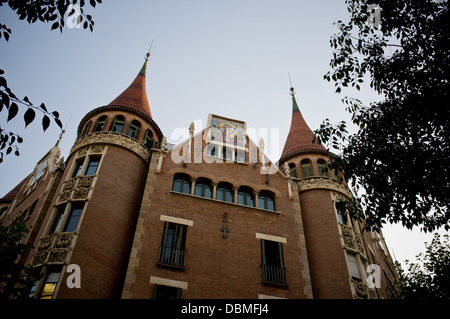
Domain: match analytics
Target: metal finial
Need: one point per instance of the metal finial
(292, 88)
(148, 53)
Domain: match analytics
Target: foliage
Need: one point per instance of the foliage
(397, 161)
(429, 278)
(16, 279)
(33, 11)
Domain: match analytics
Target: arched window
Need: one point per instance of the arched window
(148, 140)
(86, 128)
(117, 124)
(307, 169)
(181, 183)
(292, 169)
(203, 188)
(134, 129)
(225, 192)
(322, 166)
(266, 200)
(246, 196)
(100, 123)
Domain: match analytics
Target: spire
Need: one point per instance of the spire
(300, 135)
(135, 96)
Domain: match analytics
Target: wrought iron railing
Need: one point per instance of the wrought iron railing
(274, 274)
(169, 256)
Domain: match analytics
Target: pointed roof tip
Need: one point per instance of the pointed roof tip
(135, 96)
(300, 136)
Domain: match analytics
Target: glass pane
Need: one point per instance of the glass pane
(228, 196)
(353, 266)
(78, 166)
(176, 185)
(261, 202)
(198, 189)
(57, 221)
(92, 167)
(250, 201)
(208, 191)
(219, 193)
(270, 204)
(50, 285)
(186, 185)
(241, 198)
(73, 219)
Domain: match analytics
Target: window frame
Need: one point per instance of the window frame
(225, 187)
(101, 123)
(265, 195)
(203, 184)
(306, 168)
(184, 180)
(244, 195)
(137, 128)
(118, 119)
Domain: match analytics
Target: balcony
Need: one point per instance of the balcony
(274, 275)
(170, 257)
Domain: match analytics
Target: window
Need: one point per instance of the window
(307, 169)
(73, 218)
(341, 212)
(100, 123)
(78, 167)
(225, 192)
(203, 188)
(323, 169)
(134, 129)
(172, 251)
(353, 266)
(118, 124)
(266, 200)
(212, 150)
(92, 166)
(166, 292)
(227, 153)
(148, 141)
(292, 170)
(49, 286)
(58, 219)
(239, 156)
(182, 183)
(86, 128)
(272, 262)
(246, 196)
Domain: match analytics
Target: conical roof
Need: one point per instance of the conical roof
(135, 96)
(300, 135)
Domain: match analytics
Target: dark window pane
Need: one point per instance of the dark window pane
(58, 219)
(78, 166)
(166, 292)
(73, 218)
(92, 166)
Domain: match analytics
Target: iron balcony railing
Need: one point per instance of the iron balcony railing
(169, 256)
(274, 274)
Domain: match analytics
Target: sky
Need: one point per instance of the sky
(231, 58)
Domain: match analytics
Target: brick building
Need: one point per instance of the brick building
(211, 217)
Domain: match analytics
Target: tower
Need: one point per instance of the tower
(93, 215)
(339, 251)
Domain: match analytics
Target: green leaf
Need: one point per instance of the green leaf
(29, 116)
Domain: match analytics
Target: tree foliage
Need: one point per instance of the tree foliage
(52, 11)
(429, 277)
(397, 160)
(16, 279)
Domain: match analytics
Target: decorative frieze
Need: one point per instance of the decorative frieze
(76, 188)
(54, 248)
(362, 291)
(118, 139)
(323, 183)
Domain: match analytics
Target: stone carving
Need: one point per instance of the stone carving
(323, 182)
(54, 248)
(115, 139)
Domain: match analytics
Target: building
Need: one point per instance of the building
(211, 217)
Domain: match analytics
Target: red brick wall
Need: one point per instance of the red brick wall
(329, 274)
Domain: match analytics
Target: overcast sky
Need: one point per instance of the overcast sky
(230, 58)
